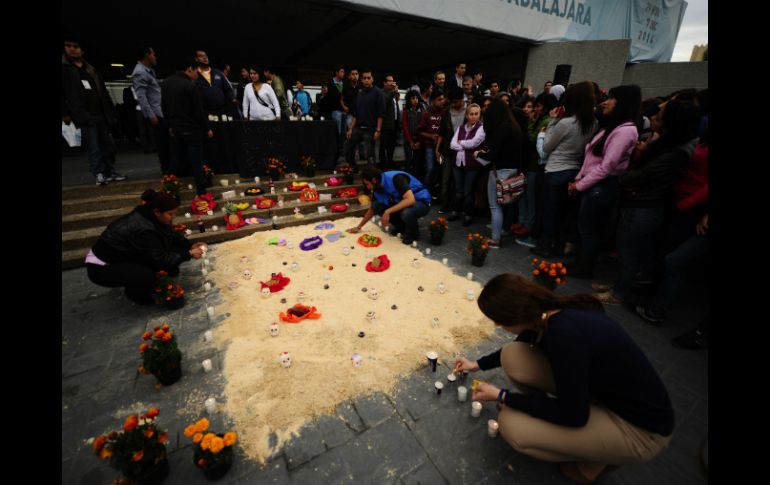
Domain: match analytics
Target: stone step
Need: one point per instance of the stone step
(131, 187)
(80, 215)
(74, 258)
(74, 239)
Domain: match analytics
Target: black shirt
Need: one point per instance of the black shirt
(370, 105)
(401, 183)
(90, 96)
(349, 95)
(592, 356)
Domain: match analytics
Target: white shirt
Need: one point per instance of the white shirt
(254, 110)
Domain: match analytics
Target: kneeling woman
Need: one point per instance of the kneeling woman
(610, 407)
(136, 246)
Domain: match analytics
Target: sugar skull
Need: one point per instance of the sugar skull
(247, 274)
(357, 360)
(374, 294)
(434, 322)
(346, 250)
(265, 292)
(295, 266)
(274, 329)
(285, 359)
(470, 294)
(442, 288)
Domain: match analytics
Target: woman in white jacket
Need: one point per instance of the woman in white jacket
(259, 100)
(468, 137)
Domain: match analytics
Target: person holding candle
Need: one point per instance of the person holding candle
(609, 406)
(397, 195)
(133, 248)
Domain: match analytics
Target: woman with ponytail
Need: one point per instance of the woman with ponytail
(595, 403)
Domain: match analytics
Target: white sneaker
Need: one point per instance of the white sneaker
(101, 179)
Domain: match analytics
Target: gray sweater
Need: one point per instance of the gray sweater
(564, 144)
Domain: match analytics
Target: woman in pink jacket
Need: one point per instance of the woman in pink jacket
(606, 157)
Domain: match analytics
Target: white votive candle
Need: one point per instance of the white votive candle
(469, 276)
(187, 215)
(451, 378)
(208, 336)
(414, 244)
(475, 409)
(188, 232)
(210, 213)
(492, 428)
(427, 251)
(444, 260)
(214, 228)
(189, 186)
(206, 261)
(224, 182)
(211, 405)
(462, 393)
(207, 365)
(207, 286)
(204, 271)
(210, 311)
(256, 180)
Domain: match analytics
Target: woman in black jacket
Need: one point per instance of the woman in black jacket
(136, 246)
(503, 142)
(646, 188)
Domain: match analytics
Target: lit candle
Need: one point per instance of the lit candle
(206, 261)
(469, 276)
(188, 231)
(475, 409)
(253, 206)
(224, 182)
(427, 251)
(444, 260)
(207, 286)
(285, 189)
(451, 377)
(187, 215)
(325, 184)
(243, 194)
(208, 336)
(414, 244)
(210, 213)
(211, 405)
(237, 182)
(207, 365)
(462, 393)
(470, 295)
(210, 311)
(439, 387)
(492, 428)
(204, 271)
(189, 186)
(214, 228)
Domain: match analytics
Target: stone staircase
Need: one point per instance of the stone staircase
(88, 209)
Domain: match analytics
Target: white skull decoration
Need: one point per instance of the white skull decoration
(265, 292)
(442, 288)
(357, 359)
(470, 294)
(416, 263)
(374, 294)
(247, 274)
(301, 296)
(285, 359)
(274, 330)
(294, 266)
(346, 250)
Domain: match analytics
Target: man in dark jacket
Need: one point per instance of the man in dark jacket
(86, 102)
(218, 95)
(390, 122)
(182, 105)
(133, 248)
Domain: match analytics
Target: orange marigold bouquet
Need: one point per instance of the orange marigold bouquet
(160, 354)
(438, 227)
(138, 449)
(213, 452)
(166, 290)
(275, 168)
(477, 244)
(170, 185)
(548, 274)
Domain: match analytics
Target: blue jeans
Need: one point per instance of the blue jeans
(527, 203)
(635, 245)
(497, 211)
(192, 151)
(430, 167)
(464, 180)
(677, 263)
(555, 202)
(406, 220)
(340, 117)
(99, 146)
(595, 207)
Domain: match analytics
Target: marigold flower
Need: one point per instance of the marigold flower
(536, 272)
(165, 327)
(552, 272)
(159, 334)
(564, 271)
(113, 435)
(147, 335)
(162, 438)
(131, 423)
(143, 347)
(534, 261)
(189, 431)
(558, 281)
(152, 413)
(105, 454)
(197, 438)
(166, 337)
(99, 443)
(156, 327)
(230, 438)
(149, 432)
(559, 265)
(206, 441)
(217, 444)
(138, 456)
(202, 425)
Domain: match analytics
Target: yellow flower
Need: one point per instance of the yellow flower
(230, 438)
(217, 444)
(202, 425)
(206, 442)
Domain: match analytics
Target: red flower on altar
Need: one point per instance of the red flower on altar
(378, 264)
(299, 312)
(264, 203)
(347, 193)
(276, 283)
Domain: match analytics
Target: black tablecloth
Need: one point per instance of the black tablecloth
(244, 146)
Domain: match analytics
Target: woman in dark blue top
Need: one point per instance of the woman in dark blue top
(595, 398)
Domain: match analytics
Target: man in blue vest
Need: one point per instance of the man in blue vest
(399, 198)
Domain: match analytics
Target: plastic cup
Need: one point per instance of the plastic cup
(475, 409)
(439, 387)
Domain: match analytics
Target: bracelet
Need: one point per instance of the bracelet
(310, 243)
(502, 395)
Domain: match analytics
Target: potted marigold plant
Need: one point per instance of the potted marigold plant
(548, 274)
(208, 175)
(478, 246)
(168, 292)
(213, 452)
(437, 230)
(161, 356)
(308, 163)
(345, 170)
(275, 168)
(138, 450)
(170, 185)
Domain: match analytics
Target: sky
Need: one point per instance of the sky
(694, 30)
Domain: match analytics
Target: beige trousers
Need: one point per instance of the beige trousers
(606, 438)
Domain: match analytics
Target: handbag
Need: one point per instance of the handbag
(510, 189)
